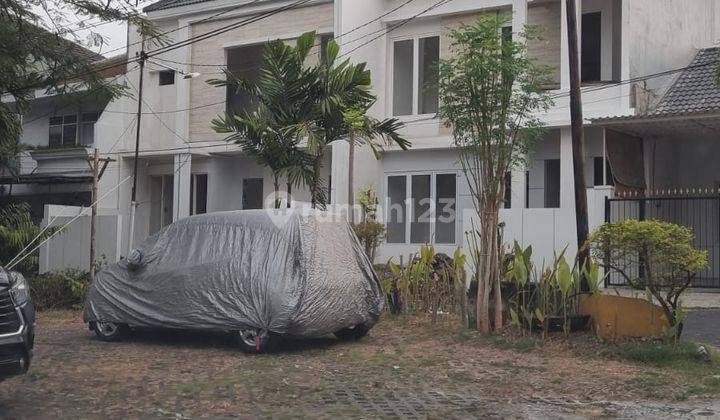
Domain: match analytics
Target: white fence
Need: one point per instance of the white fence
(71, 247)
(548, 231)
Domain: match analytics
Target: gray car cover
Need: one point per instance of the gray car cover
(295, 272)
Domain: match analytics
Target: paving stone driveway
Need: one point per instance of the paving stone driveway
(703, 326)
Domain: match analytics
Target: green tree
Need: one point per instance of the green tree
(280, 102)
(301, 108)
(35, 53)
(365, 130)
(343, 95)
(17, 230)
(656, 257)
(490, 96)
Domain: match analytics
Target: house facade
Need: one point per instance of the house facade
(59, 133)
(630, 53)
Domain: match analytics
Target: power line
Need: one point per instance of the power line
(397, 26)
(336, 38)
(162, 34)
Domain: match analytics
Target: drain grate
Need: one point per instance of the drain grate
(411, 405)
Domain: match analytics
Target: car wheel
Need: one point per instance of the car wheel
(353, 333)
(254, 341)
(109, 331)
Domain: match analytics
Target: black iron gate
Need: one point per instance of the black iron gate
(700, 213)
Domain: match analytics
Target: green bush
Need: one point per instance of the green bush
(663, 256)
(65, 289)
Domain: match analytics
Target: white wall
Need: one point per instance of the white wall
(71, 248)
(661, 35)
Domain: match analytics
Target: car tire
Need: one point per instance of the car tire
(254, 341)
(109, 331)
(353, 333)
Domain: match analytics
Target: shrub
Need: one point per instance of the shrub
(661, 253)
(431, 282)
(370, 234)
(369, 231)
(65, 289)
(553, 294)
(17, 230)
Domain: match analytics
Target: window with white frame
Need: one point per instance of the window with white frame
(72, 130)
(421, 208)
(63, 130)
(415, 75)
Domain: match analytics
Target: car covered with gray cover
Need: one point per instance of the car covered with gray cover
(258, 274)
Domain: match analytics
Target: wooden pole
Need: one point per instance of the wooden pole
(93, 219)
(576, 120)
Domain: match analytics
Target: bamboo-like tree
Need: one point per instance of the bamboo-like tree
(267, 132)
(490, 96)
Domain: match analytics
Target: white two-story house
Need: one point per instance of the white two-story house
(629, 52)
(632, 52)
(58, 134)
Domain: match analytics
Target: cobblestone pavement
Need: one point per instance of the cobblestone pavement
(403, 369)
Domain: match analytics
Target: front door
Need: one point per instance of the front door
(252, 193)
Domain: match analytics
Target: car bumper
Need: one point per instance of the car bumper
(16, 346)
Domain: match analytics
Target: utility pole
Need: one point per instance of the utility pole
(133, 199)
(578, 142)
(97, 173)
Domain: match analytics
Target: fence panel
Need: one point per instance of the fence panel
(701, 214)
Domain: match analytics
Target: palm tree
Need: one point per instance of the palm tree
(281, 100)
(365, 130)
(343, 99)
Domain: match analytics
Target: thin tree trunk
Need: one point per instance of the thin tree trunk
(315, 183)
(485, 281)
(289, 194)
(351, 176)
(276, 185)
(496, 271)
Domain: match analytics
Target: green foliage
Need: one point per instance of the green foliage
(65, 289)
(554, 294)
(431, 282)
(371, 234)
(312, 105)
(490, 96)
(265, 134)
(17, 230)
(34, 56)
(654, 256)
(658, 354)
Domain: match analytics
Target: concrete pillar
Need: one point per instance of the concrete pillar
(567, 185)
(181, 185)
(564, 60)
(519, 18)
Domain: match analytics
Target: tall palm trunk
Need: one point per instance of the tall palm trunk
(351, 176)
(289, 194)
(276, 185)
(314, 187)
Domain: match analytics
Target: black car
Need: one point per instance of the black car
(17, 324)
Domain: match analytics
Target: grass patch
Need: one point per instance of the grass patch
(700, 372)
(679, 356)
(519, 344)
